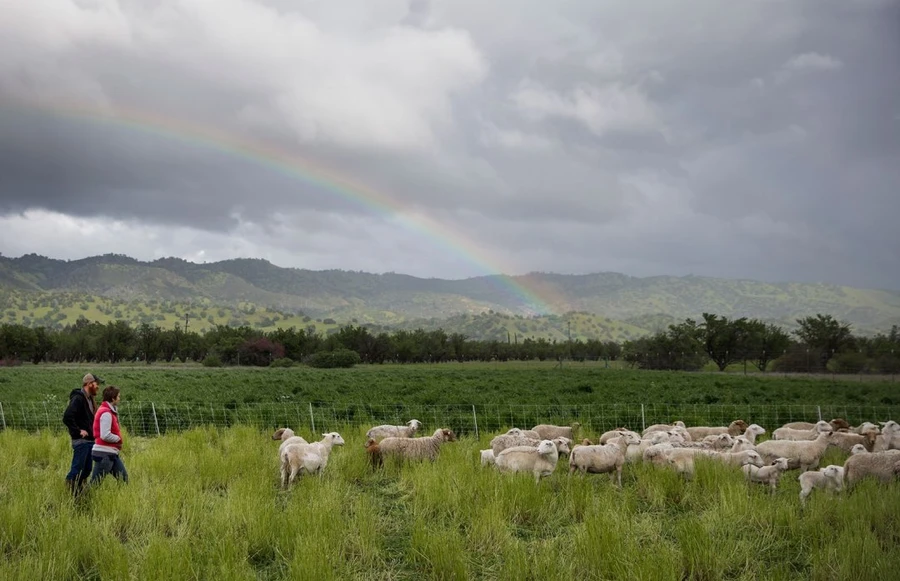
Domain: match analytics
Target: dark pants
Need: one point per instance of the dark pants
(108, 464)
(81, 465)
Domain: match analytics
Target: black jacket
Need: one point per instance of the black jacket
(78, 416)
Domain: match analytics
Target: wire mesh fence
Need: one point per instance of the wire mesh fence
(154, 419)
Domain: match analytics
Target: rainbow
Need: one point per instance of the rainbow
(534, 298)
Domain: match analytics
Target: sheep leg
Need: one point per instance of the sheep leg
(619, 475)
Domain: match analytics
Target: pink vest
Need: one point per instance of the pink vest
(114, 428)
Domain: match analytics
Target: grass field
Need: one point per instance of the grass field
(205, 504)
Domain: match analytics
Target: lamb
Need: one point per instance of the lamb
(540, 460)
(735, 428)
(766, 474)
(416, 448)
(287, 437)
(603, 458)
(783, 433)
(830, 478)
(883, 466)
(384, 431)
(487, 457)
(373, 451)
(503, 441)
(548, 431)
(801, 454)
(307, 458)
(679, 459)
(742, 443)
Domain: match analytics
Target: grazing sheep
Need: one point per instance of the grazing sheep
(739, 458)
(742, 443)
(287, 437)
(836, 424)
(766, 474)
(783, 433)
(662, 427)
(718, 442)
(735, 428)
(307, 458)
(614, 434)
(503, 441)
(830, 478)
(487, 457)
(548, 432)
(603, 458)
(385, 431)
(373, 450)
(539, 460)
(846, 440)
(803, 454)
(679, 459)
(527, 433)
(883, 466)
(417, 448)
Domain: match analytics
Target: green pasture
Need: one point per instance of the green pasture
(205, 504)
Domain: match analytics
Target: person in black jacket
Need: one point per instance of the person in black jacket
(79, 419)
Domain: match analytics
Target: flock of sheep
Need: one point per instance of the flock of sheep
(874, 450)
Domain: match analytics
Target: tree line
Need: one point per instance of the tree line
(820, 343)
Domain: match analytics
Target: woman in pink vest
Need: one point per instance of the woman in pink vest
(108, 439)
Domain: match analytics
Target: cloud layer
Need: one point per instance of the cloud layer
(450, 138)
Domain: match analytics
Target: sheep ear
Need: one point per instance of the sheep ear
(277, 434)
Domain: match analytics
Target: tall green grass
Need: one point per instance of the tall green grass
(205, 504)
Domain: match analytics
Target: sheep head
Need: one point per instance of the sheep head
(546, 447)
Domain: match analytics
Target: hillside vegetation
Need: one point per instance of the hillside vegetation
(607, 306)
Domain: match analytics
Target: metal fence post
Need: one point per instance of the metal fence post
(643, 419)
(474, 418)
(312, 419)
(155, 421)
(2, 416)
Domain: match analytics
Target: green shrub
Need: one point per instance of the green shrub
(333, 359)
(282, 362)
(212, 361)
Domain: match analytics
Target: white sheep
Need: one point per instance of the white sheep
(548, 431)
(889, 438)
(858, 449)
(739, 458)
(718, 441)
(520, 432)
(742, 443)
(735, 428)
(287, 437)
(752, 431)
(307, 458)
(829, 478)
(803, 454)
(836, 424)
(606, 436)
(662, 428)
(847, 440)
(487, 457)
(384, 431)
(883, 466)
(503, 441)
(539, 460)
(766, 474)
(783, 433)
(416, 448)
(603, 458)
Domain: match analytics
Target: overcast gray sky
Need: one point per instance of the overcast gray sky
(754, 139)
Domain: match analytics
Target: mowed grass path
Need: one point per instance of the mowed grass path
(205, 504)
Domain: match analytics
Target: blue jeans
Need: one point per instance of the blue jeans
(108, 464)
(81, 463)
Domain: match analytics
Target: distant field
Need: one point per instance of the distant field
(205, 504)
(167, 398)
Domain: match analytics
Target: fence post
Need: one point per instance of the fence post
(474, 417)
(2, 416)
(155, 421)
(643, 419)
(820, 412)
(312, 420)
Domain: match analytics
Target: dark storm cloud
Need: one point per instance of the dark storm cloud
(755, 139)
